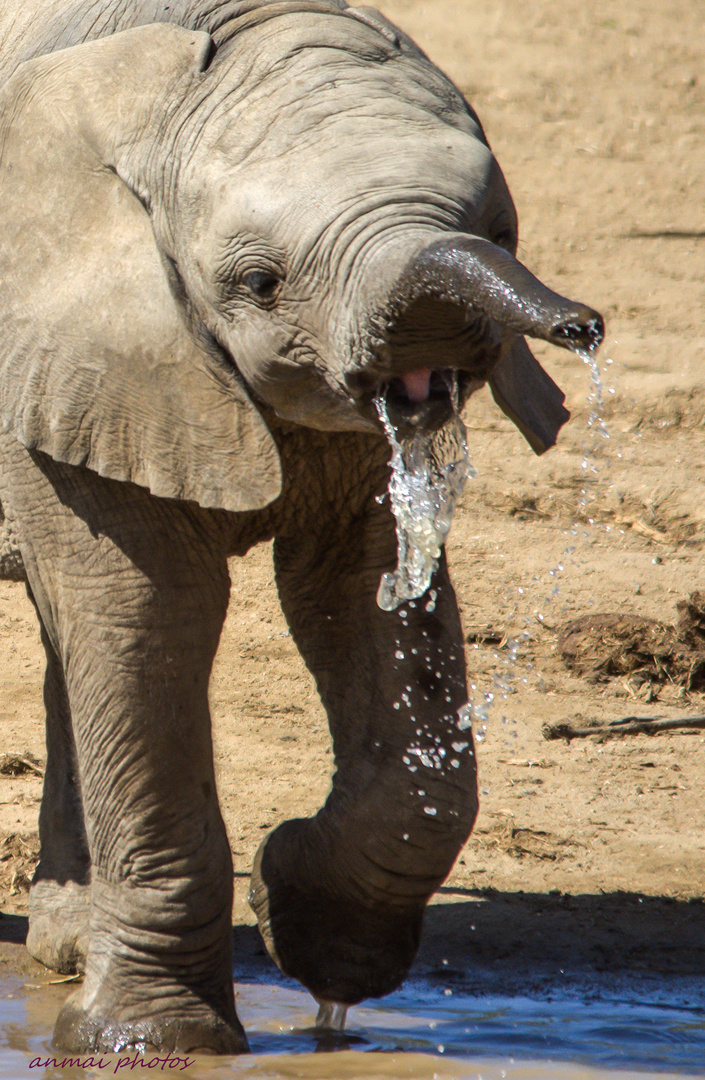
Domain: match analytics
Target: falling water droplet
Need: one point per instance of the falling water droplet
(464, 718)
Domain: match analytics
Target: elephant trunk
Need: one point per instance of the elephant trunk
(339, 897)
(481, 277)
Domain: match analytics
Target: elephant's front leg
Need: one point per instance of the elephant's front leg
(133, 592)
(340, 897)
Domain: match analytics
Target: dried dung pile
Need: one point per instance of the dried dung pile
(603, 646)
(19, 856)
(20, 765)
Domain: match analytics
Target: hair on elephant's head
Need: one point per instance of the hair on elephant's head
(292, 217)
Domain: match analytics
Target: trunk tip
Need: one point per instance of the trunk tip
(585, 330)
(331, 1015)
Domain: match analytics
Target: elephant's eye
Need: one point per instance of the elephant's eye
(262, 283)
(505, 238)
(503, 232)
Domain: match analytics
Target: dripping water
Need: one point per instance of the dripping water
(428, 474)
(596, 403)
(475, 714)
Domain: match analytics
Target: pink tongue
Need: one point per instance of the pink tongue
(417, 383)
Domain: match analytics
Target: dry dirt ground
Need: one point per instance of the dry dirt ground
(584, 852)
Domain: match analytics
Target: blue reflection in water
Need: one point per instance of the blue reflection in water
(608, 1034)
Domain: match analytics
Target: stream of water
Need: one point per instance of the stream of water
(428, 474)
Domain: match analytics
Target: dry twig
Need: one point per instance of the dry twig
(615, 729)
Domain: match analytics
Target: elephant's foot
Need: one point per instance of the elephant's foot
(150, 982)
(58, 925)
(196, 1029)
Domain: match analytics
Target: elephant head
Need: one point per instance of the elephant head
(361, 239)
(285, 220)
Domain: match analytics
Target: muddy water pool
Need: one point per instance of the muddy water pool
(420, 1033)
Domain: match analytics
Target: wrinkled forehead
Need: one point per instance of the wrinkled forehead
(323, 106)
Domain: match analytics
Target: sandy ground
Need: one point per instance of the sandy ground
(585, 853)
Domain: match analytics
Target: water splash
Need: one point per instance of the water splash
(596, 423)
(428, 474)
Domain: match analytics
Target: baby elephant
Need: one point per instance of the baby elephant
(225, 229)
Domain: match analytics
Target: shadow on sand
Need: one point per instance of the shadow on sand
(523, 939)
(515, 943)
(506, 942)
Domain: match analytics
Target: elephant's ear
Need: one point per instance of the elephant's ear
(97, 365)
(529, 396)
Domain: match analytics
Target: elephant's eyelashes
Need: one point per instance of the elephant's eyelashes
(262, 284)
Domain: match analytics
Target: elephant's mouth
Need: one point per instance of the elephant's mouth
(424, 399)
(424, 358)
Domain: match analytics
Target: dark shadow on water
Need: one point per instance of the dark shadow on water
(610, 981)
(331, 1042)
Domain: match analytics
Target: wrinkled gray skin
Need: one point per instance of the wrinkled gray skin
(218, 239)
